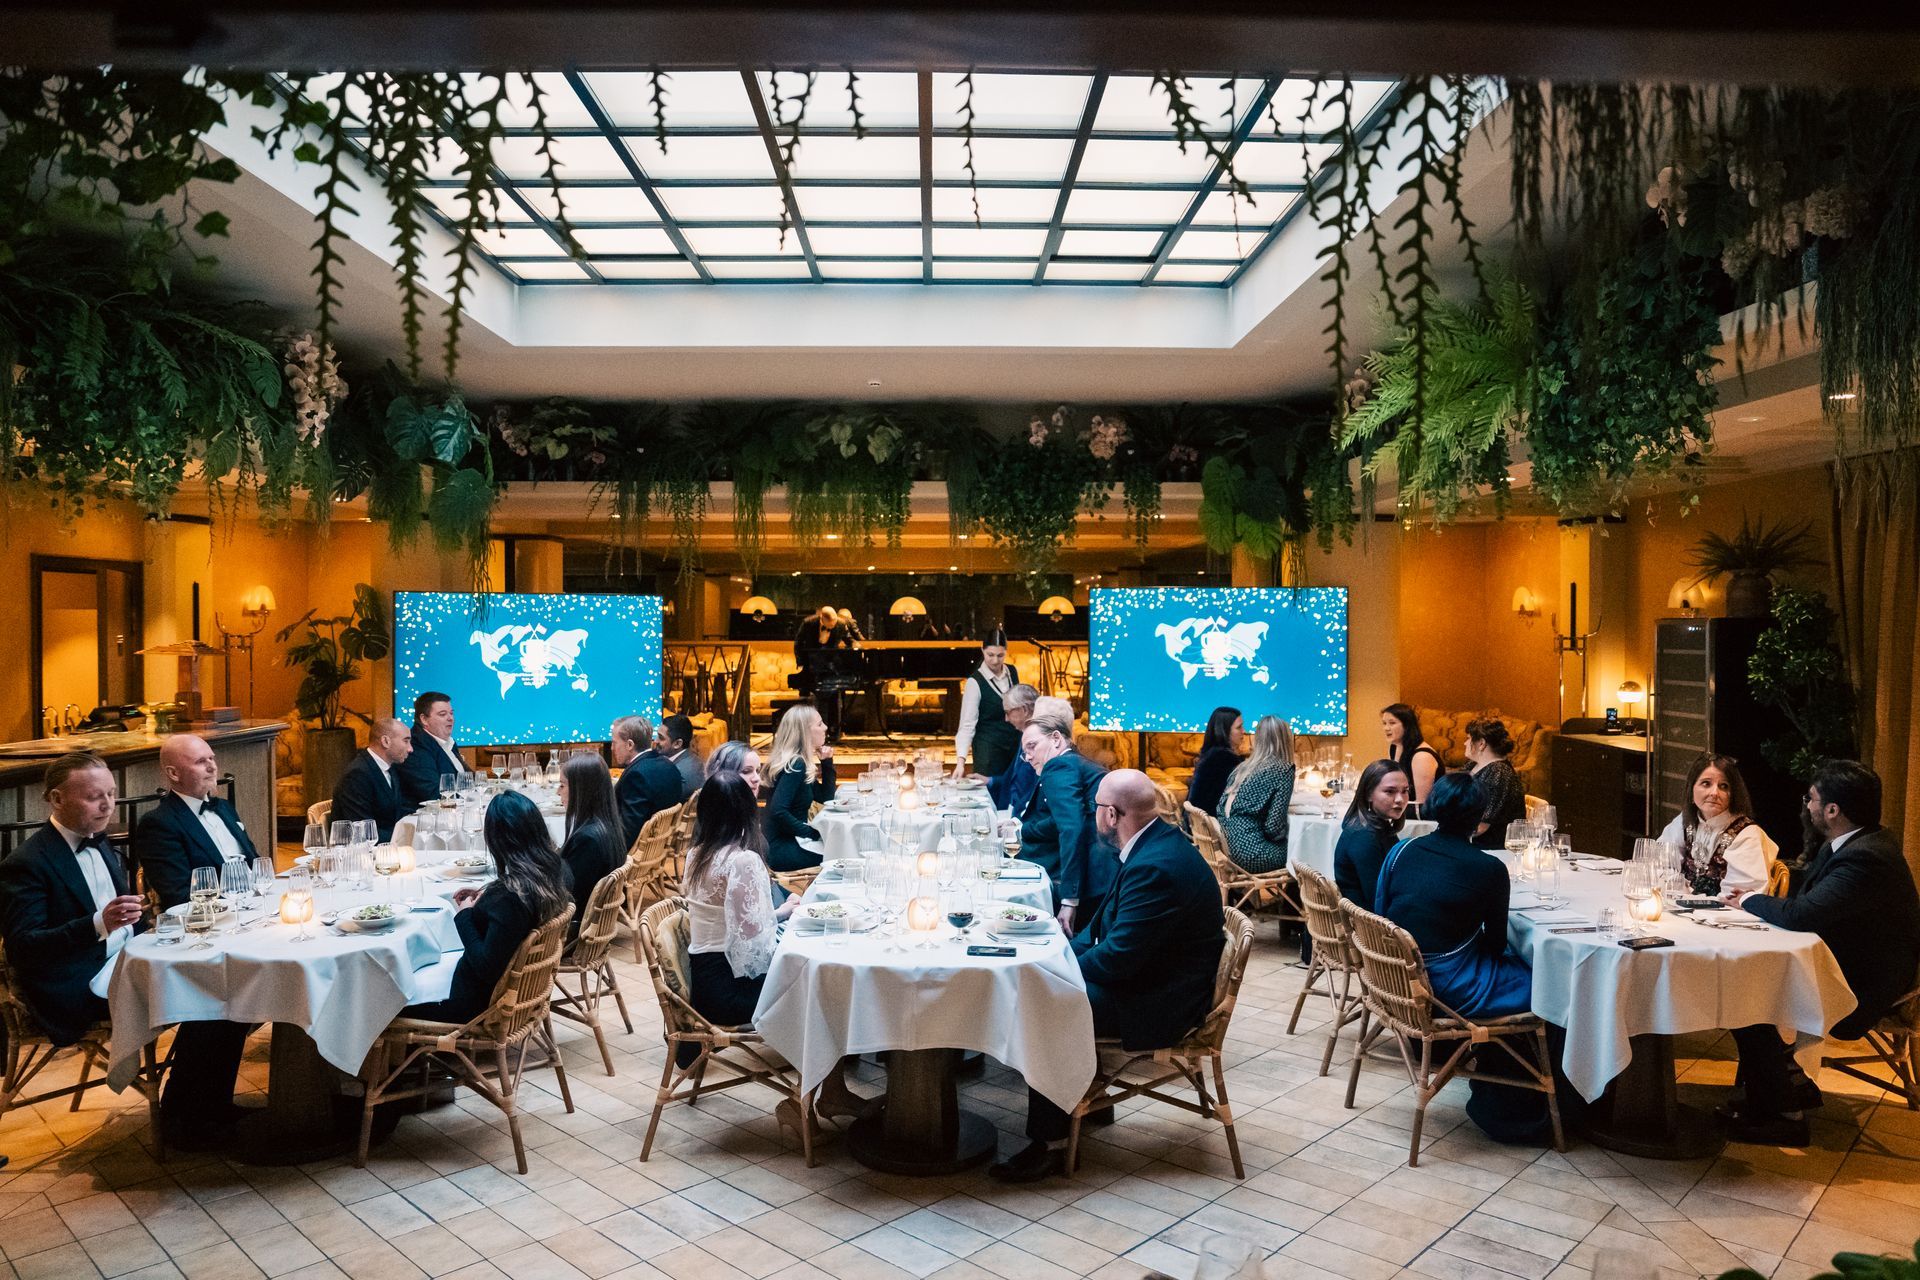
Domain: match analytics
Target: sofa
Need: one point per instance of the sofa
(1532, 757)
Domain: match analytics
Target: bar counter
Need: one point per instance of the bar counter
(244, 748)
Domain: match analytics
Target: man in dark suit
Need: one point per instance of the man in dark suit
(1857, 893)
(673, 742)
(648, 781)
(192, 827)
(1149, 955)
(67, 905)
(1057, 827)
(433, 751)
(1013, 786)
(369, 789)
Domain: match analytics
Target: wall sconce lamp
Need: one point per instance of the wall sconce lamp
(759, 608)
(1057, 607)
(907, 608)
(1526, 604)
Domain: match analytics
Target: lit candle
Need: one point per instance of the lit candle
(1647, 909)
(923, 914)
(927, 865)
(909, 799)
(293, 911)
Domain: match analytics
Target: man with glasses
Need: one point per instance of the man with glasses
(1057, 825)
(1857, 893)
(1148, 954)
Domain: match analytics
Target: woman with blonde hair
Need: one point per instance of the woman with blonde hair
(802, 768)
(1253, 810)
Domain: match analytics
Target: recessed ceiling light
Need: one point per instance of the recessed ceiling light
(796, 573)
(953, 568)
(961, 537)
(870, 568)
(833, 537)
(1841, 395)
(1751, 417)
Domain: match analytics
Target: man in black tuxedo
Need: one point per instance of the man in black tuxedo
(369, 787)
(1058, 827)
(1149, 955)
(433, 751)
(649, 782)
(1857, 893)
(192, 827)
(67, 905)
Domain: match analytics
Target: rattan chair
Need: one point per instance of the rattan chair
(739, 1051)
(1334, 970)
(681, 840)
(1895, 1042)
(1166, 804)
(1122, 1073)
(400, 1063)
(29, 1051)
(320, 811)
(1779, 879)
(655, 871)
(1397, 998)
(1240, 888)
(797, 882)
(585, 961)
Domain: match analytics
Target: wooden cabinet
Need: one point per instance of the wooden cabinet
(1600, 789)
(1702, 702)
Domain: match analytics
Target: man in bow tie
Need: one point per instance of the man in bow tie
(67, 906)
(192, 827)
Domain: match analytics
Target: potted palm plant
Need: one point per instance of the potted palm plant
(329, 654)
(1749, 561)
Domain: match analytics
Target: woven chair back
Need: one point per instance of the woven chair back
(682, 837)
(1227, 977)
(520, 997)
(1392, 972)
(650, 845)
(1165, 805)
(665, 934)
(1211, 841)
(1326, 923)
(21, 1026)
(600, 921)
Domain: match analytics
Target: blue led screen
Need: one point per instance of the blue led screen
(1163, 658)
(531, 668)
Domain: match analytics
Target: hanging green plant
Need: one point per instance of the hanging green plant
(1624, 385)
(1797, 670)
(850, 472)
(1442, 408)
(1031, 490)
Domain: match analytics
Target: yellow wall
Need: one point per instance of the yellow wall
(1369, 570)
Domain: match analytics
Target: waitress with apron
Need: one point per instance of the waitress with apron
(983, 714)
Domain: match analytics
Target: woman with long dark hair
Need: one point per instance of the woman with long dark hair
(595, 845)
(1723, 848)
(531, 887)
(1406, 748)
(1488, 746)
(1371, 828)
(1219, 757)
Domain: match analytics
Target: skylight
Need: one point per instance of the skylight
(1079, 179)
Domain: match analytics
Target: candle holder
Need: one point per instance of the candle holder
(923, 918)
(296, 907)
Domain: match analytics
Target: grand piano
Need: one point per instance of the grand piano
(876, 663)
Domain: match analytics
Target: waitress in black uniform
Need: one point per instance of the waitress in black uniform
(983, 714)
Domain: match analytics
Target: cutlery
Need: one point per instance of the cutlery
(1577, 928)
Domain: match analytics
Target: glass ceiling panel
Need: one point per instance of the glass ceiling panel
(708, 205)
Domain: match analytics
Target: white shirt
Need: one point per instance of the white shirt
(970, 706)
(1750, 855)
(1837, 841)
(386, 769)
(1127, 848)
(216, 829)
(93, 868)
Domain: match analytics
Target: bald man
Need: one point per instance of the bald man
(192, 827)
(368, 789)
(1148, 952)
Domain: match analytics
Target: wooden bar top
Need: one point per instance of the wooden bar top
(25, 762)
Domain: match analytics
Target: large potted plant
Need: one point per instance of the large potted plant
(329, 654)
(1749, 560)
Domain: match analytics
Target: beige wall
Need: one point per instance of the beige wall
(1369, 571)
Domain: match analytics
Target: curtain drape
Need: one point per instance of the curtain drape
(1876, 549)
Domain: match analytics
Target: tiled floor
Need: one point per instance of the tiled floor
(1327, 1191)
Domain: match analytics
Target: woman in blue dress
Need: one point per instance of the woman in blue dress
(1452, 897)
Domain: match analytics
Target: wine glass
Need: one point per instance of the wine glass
(981, 824)
(499, 765)
(263, 876)
(1009, 832)
(365, 832)
(449, 785)
(203, 887)
(342, 834)
(960, 913)
(315, 840)
(300, 901)
(1519, 836)
(386, 861)
(236, 879)
(1637, 882)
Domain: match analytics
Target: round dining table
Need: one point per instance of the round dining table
(1621, 1008)
(328, 997)
(922, 1000)
(846, 828)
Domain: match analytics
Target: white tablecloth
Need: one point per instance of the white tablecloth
(1710, 978)
(342, 989)
(1028, 886)
(405, 831)
(823, 1001)
(1311, 838)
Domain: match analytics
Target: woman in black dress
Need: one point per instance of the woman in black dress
(984, 729)
(595, 845)
(1488, 746)
(802, 769)
(1371, 828)
(1219, 757)
(531, 888)
(1406, 748)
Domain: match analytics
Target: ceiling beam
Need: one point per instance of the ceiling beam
(925, 82)
(1216, 171)
(591, 102)
(797, 222)
(1088, 114)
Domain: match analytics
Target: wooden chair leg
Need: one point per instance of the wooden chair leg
(1225, 1111)
(1553, 1094)
(660, 1101)
(1423, 1094)
(560, 1068)
(1360, 1047)
(510, 1105)
(79, 1090)
(1306, 989)
(620, 1001)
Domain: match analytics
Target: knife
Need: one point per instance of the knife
(1578, 928)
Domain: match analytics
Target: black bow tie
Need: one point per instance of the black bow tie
(206, 806)
(102, 842)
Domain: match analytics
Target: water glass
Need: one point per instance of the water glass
(449, 783)
(365, 832)
(168, 929)
(1223, 1257)
(341, 834)
(836, 930)
(1609, 922)
(263, 876)
(315, 838)
(236, 879)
